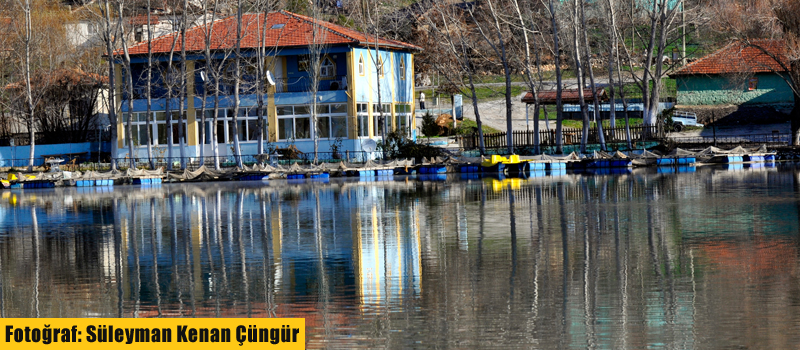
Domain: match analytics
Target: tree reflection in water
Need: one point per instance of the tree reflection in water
(630, 261)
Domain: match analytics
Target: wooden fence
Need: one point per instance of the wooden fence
(571, 136)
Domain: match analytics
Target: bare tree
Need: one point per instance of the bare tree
(525, 28)
(613, 67)
(266, 6)
(237, 61)
(588, 49)
(369, 16)
(182, 102)
(26, 37)
(493, 30)
(106, 20)
(316, 53)
(149, 85)
(660, 15)
(208, 28)
(559, 86)
(576, 47)
(126, 59)
(450, 42)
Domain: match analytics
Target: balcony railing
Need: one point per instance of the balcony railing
(302, 84)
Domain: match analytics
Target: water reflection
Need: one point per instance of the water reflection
(643, 259)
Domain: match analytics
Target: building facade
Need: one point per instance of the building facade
(739, 74)
(349, 104)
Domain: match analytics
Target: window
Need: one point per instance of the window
(158, 131)
(361, 66)
(363, 120)
(752, 84)
(402, 114)
(379, 117)
(332, 121)
(175, 131)
(403, 68)
(302, 63)
(294, 122)
(139, 34)
(246, 126)
(380, 66)
(327, 69)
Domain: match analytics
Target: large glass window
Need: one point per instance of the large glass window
(294, 122)
(158, 131)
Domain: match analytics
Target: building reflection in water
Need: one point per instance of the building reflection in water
(387, 247)
(626, 261)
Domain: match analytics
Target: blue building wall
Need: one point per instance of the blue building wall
(392, 85)
(18, 156)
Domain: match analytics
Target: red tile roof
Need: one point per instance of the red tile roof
(141, 20)
(296, 32)
(741, 57)
(567, 96)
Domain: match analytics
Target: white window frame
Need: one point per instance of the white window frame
(329, 115)
(362, 112)
(327, 70)
(380, 66)
(361, 65)
(386, 113)
(293, 117)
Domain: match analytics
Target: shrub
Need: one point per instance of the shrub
(429, 126)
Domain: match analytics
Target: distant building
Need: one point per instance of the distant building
(347, 98)
(738, 74)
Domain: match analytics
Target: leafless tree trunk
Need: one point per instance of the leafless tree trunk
(588, 48)
(149, 88)
(500, 51)
(579, 73)
(183, 86)
(624, 103)
(109, 39)
(126, 59)
(27, 42)
(527, 63)
(612, 59)
(213, 72)
(316, 49)
(559, 84)
(168, 77)
(237, 151)
(261, 69)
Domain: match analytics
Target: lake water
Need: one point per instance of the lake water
(696, 258)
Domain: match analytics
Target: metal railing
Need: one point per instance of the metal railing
(192, 163)
(302, 84)
(570, 136)
(230, 161)
(773, 138)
